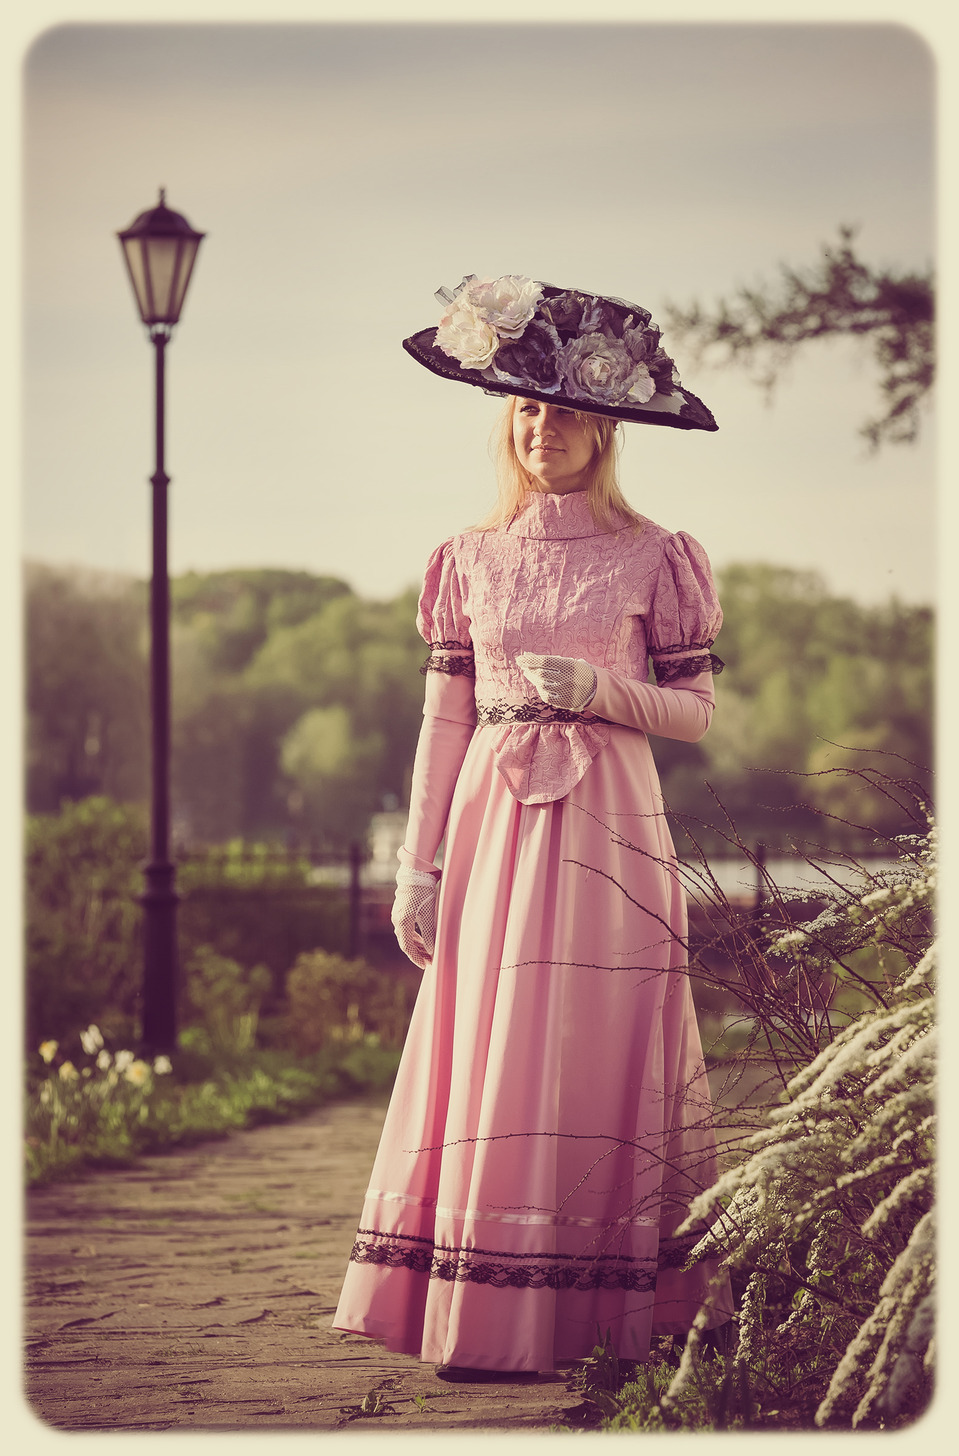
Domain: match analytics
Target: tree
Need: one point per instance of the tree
(889, 310)
(87, 706)
(231, 613)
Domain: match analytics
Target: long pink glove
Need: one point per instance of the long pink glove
(681, 711)
(449, 719)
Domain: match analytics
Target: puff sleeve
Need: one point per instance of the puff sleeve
(449, 709)
(683, 620)
(685, 615)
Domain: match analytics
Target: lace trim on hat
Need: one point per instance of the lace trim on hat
(498, 710)
(502, 1270)
(693, 658)
(458, 665)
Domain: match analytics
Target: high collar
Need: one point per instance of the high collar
(546, 517)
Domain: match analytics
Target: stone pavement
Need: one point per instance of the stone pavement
(194, 1292)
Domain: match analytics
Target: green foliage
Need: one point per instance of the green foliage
(714, 1399)
(334, 769)
(355, 667)
(624, 1395)
(297, 704)
(230, 614)
(224, 998)
(82, 917)
(105, 1109)
(813, 683)
(246, 904)
(86, 700)
(239, 865)
(333, 1001)
(267, 921)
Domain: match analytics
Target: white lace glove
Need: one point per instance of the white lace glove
(414, 914)
(563, 682)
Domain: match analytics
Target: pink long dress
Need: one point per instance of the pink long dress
(551, 1116)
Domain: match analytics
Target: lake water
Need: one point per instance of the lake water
(737, 878)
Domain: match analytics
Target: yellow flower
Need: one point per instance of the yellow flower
(48, 1050)
(137, 1073)
(68, 1072)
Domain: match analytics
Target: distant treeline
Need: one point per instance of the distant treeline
(297, 703)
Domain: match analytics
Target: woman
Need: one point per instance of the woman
(551, 1118)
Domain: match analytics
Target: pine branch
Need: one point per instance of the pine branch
(763, 328)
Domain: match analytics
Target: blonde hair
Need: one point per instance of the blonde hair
(609, 506)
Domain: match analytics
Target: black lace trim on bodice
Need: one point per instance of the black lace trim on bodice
(439, 660)
(502, 1270)
(498, 710)
(667, 672)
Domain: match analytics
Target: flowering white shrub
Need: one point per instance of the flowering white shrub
(828, 1219)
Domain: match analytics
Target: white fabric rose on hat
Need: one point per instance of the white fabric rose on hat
(644, 387)
(506, 303)
(466, 335)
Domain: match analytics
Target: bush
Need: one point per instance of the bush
(825, 1220)
(106, 1108)
(332, 1001)
(224, 998)
(82, 918)
(247, 904)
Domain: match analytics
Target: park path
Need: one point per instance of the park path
(194, 1292)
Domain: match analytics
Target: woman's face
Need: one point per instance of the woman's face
(552, 445)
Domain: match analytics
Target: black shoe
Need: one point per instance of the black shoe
(471, 1375)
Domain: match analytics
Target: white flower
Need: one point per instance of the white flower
(103, 1059)
(162, 1065)
(790, 937)
(48, 1050)
(507, 304)
(137, 1073)
(466, 336)
(68, 1072)
(91, 1040)
(124, 1060)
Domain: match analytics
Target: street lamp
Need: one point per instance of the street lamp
(160, 248)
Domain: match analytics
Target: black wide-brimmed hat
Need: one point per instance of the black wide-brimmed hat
(512, 335)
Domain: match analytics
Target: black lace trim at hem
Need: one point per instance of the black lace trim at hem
(501, 1270)
(499, 711)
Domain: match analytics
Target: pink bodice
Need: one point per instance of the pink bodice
(555, 582)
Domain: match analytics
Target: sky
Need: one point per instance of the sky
(343, 172)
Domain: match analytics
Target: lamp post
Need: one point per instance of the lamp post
(160, 248)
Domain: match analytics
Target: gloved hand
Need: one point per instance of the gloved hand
(563, 682)
(414, 914)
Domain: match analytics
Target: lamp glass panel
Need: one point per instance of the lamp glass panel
(133, 251)
(162, 254)
(188, 252)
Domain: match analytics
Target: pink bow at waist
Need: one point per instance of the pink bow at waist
(542, 752)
